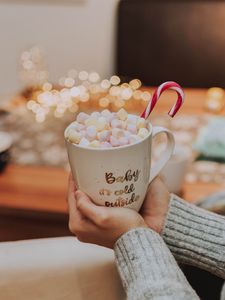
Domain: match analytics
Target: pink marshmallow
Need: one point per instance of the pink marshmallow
(132, 128)
(104, 135)
(114, 142)
(123, 141)
(106, 145)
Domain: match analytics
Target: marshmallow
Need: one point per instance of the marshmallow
(123, 141)
(116, 123)
(91, 132)
(94, 144)
(132, 128)
(104, 135)
(132, 119)
(141, 123)
(84, 142)
(114, 141)
(143, 132)
(106, 130)
(101, 124)
(122, 114)
(96, 115)
(90, 121)
(106, 145)
(81, 117)
(106, 113)
(117, 133)
(73, 136)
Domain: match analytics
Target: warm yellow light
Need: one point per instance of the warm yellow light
(146, 96)
(74, 108)
(135, 84)
(105, 84)
(94, 77)
(114, 90)
(104, 102)
(115, 80)
(47, 86)
(215, 92)
(30, 104)
(40, 118)
(137, 95)
(83, 75)
(69, 82)
(119, 103)
(126, 93)
(84, 97)
(75, 92)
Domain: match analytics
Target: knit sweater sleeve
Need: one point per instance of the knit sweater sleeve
(147, 268)
(195, 236)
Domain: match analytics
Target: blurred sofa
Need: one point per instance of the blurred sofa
(178, 40)
(57, 269)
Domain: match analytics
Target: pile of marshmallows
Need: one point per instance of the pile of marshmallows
(106, 129)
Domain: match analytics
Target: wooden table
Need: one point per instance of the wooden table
(33, 199)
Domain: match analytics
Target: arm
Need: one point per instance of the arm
(146, 275)
(148, 269)
(195, 236)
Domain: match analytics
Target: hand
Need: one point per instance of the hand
(155, 206)
(98, 224)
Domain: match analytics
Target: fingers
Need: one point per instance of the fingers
(97, 214)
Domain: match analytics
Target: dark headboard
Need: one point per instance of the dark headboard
(172, 40)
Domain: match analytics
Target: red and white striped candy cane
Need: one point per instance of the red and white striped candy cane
(169, 85)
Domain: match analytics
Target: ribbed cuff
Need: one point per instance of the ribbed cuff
(195, 236)
(147, 267)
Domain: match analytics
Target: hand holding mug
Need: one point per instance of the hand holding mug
(98, 224)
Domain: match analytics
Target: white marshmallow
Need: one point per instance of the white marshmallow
(122, 114)
(73, 136)
(90, 121)
(84, 142)
(94, 144)
(81, 117)
(143, 132)
(116, 123)
(117, 133)
(106, 113)
(91, 132)
(141, 123)
(96, 115)
(132, 119)
(101, 124)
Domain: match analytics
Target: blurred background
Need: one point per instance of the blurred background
(58, 58)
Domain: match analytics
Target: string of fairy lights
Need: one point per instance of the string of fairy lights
(87, 91)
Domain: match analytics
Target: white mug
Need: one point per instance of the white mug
(174, 172)
(118, 177)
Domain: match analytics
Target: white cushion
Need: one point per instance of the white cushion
(56, 269)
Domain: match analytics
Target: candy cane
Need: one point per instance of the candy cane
(169, 85)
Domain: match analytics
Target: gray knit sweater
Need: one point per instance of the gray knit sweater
(147, 267)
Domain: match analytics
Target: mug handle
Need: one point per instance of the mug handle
(166, 155)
